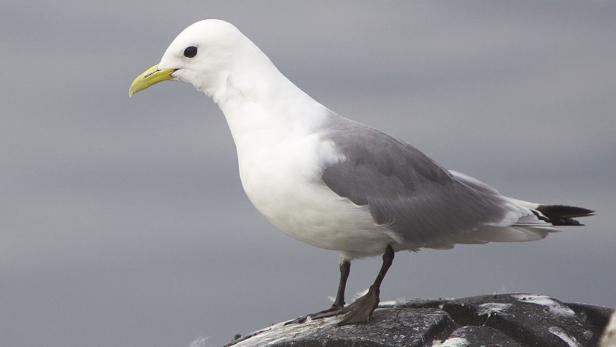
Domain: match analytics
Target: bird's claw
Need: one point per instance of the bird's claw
(361, 310)
(330, 312)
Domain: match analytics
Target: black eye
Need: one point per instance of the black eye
(190, 52)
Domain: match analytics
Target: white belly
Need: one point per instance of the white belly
(283, 182)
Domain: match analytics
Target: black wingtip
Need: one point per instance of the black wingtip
(563, 214)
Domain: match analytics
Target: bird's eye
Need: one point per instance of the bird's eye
(190, 52)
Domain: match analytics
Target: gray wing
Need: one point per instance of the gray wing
(406, 190)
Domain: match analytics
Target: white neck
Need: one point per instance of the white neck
(261, 105)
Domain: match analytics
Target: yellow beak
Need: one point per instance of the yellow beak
(149, 78)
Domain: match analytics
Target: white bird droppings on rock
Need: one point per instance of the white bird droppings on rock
(569, 340)
(452, 342)
(492, 307)
(553, 306)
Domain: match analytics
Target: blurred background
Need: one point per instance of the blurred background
(123, 221)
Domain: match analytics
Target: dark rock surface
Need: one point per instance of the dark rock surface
(512, 320)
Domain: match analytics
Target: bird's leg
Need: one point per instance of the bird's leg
(361, 310)
(345, 269)
(338, 305)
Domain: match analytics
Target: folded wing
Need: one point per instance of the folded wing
(422, 203)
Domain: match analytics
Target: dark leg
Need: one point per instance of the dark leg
(361, 310)
(345, 269)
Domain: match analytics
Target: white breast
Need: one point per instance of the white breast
(283, 182)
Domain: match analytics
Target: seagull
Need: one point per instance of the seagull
(334, 183)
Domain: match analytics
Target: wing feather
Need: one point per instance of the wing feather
(410, 193)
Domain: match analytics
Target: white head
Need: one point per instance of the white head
(210, 54)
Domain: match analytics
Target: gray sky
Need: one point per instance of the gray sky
(123, 222)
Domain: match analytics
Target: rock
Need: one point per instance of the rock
(512, 320)
(472, 335)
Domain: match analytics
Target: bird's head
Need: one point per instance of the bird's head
(204, 54)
